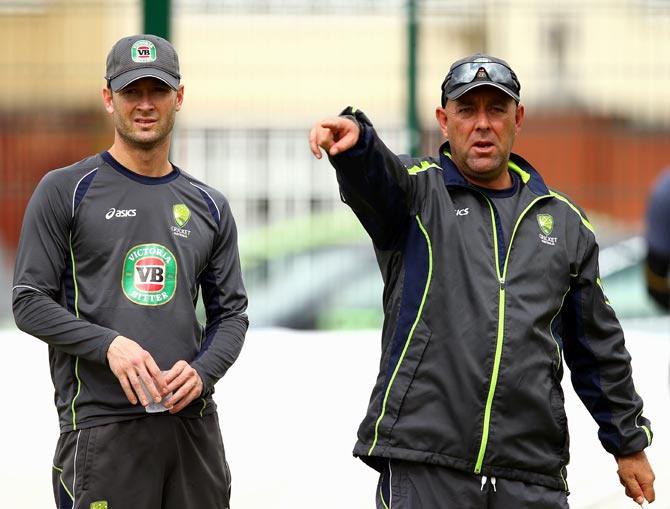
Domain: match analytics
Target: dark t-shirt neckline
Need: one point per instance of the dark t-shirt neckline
(143, 179)
(501, 193)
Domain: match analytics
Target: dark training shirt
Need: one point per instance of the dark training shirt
(506, 202)
(105, 251)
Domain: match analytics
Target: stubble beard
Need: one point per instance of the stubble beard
(487, 172)
(139, 140)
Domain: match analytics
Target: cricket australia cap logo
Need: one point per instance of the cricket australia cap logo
(181, 214)
(149, 275)
(143, 52)
(546, 224)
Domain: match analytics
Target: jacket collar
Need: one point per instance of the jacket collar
(527, 174)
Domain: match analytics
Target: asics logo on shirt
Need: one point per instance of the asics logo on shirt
(462, 212)
(120, 213)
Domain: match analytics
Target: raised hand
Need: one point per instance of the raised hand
(334, 135)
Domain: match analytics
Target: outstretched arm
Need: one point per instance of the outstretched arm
(373, 181)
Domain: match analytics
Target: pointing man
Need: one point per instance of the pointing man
(491, 280)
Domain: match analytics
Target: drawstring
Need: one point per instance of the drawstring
(493, 483)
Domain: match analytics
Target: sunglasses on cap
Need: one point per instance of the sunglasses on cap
(468, 75)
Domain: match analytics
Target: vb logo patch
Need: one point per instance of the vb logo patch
(181, 214)
(546, 224)
(149, 275)
(143, 51)
(100, 504)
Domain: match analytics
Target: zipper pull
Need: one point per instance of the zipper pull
(484, 479)
(493, 483)
(502, 283)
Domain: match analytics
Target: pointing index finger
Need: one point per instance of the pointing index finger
(332, 123)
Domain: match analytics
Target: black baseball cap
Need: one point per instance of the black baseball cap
(477, 70)
(142, 56)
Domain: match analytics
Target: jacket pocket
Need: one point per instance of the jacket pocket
(86, 457)
(557, 401)
(72, 464)
(401, 375)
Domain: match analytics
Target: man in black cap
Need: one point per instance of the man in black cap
(491, 280)
(113, 254)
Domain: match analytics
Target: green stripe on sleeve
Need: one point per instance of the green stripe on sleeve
(423, 166)
(600, 284)
(76, 312)
(644, 428)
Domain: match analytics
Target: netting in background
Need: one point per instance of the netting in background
(259, 73)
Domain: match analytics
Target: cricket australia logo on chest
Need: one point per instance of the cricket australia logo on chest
(149, 275)
(546, 224)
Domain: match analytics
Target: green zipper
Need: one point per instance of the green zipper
(501, 323)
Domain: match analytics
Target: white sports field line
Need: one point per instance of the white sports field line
(289, 412)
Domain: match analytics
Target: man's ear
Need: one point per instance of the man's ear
(441, 116)
(518, 118)
(180, 96)
(107, 99)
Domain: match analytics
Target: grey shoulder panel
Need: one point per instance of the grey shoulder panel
(216, 202)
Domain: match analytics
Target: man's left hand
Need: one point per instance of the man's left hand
(185, 385)
(636, 475)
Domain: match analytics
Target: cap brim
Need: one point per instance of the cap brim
(127, 78)
(458, 92)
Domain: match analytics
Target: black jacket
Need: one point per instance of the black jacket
(474, 332)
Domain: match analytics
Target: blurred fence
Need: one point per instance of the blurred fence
(603, 163)
(259, 72)
(270, 175)
(32, 144)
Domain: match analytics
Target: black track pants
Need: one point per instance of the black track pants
(408, 485)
